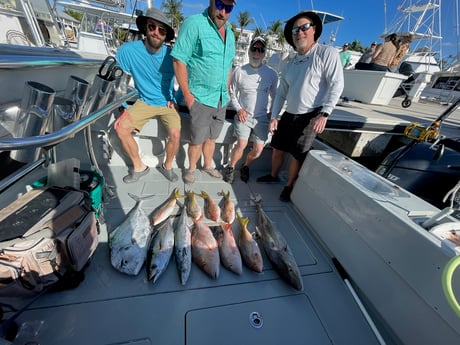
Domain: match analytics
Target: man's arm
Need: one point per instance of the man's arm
(180, 70)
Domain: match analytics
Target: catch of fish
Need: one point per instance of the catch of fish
(138, 240)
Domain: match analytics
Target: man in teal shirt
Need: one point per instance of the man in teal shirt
(203, 56)
(345, 56)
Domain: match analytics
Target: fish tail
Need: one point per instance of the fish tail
(140, 198)
(176, 194)
(256, 199)
(226, 226)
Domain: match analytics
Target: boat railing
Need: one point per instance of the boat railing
(52, 139)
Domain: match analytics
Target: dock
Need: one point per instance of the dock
(365, 130)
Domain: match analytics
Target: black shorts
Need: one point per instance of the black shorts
(294, 135)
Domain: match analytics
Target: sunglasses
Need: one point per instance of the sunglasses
(161, 30)
(257, 49)
(220, 6)
(303, 28)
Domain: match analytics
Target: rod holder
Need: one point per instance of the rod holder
(77, 91)
(32, 118)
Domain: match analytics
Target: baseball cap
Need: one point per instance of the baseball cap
(258, 39)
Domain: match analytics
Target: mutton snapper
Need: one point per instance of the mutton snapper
(249, 249)
(211, 209)
(129, 241)
(205, 251)
(228, 251)
(160, 250)
(183, 246)
(228, 208)
(276, 247)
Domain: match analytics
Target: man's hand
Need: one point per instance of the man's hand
(242, 115)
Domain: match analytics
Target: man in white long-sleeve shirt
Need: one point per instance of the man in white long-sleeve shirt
(311, 84)
(251, 86)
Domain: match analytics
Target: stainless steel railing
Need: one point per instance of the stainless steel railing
(52, 139)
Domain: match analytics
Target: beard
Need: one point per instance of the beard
(154, 42)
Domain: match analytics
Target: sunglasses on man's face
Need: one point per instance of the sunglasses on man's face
(258, 49)
(220, 6)
(303, 28)
(161, 30)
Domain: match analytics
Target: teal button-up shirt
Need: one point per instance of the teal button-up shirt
(208, 58)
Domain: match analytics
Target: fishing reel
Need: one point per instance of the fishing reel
(417, 131)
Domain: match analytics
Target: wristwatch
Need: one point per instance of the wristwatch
(323, 114)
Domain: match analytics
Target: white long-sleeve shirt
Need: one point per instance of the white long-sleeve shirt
(309, 81)
(250, 88)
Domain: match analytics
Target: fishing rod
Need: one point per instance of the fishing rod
(420, 133)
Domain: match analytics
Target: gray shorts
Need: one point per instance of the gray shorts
(254, 129)
(206, 122)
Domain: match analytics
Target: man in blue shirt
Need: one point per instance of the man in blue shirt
(150, 63)
(203, 56)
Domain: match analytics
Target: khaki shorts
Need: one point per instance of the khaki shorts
(140, 113)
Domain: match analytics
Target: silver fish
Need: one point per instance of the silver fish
(160, 250)
(249, 249)
(228, 208)
(205, 252)
(228, 251)
(276, 247)
(183, 246)
(166, 209)
(129, 241)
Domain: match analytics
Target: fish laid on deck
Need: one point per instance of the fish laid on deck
(249, 248)
(160, 250)
(166, 209)
(228, 208)
(276, 247)
(205, 251)
(183, 246)
(211, 209)
(192, 206)
(229, 253)
(129, 241)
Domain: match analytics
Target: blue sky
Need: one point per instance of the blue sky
(364, 20)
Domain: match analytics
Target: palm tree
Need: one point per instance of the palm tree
(172, 10)
(258, 32)
(244, 19)
(276, 29)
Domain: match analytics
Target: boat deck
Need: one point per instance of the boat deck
(109, 307)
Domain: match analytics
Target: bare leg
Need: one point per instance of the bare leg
(277, 161)
(237, 152)
(208, 152)
(294, 168)
(124, 130)
(194, 153)
(172, 146)
(254, 153)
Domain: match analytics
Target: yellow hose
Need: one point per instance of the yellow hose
(447, 275)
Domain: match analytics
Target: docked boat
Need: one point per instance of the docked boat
(370, 254)
(34, 46)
